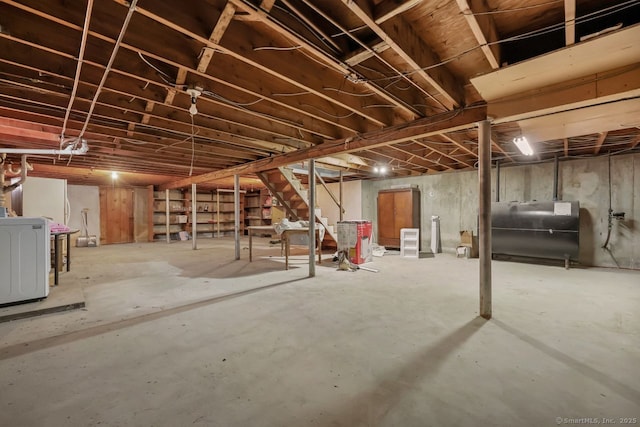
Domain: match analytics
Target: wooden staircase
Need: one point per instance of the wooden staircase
(294, 198)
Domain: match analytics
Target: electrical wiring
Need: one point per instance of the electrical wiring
(320, 62)
(193, 134)
(228, 101)
(347, 32)
(292, 94)
(164, 76)
(32, 80)
(320, 37)
(348, 93)
(136, 142)
(368, 48)
(276, 48)
(329, 114)
(379, 106)
(534, 33)
(373, 70)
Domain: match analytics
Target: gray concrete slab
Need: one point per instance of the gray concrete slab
(64, 297)
(171, 336)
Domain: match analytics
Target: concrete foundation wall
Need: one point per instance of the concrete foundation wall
(454, 198)
(351, 199)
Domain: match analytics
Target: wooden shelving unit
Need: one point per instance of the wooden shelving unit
(168, 214)
(215, 213)
(266, 202)
(252, 209)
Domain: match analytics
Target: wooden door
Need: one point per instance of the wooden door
(403, 205)
(116, 215)
(386, 218)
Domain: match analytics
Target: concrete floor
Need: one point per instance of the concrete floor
(175, 337)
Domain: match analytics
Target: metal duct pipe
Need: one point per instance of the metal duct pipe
(66, 151)
(555, 178)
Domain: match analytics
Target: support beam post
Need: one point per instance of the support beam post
(498, 180)
(194, 218)
(484, 232)
(167, 214)
(236, 210)
(312, 218)
(340, 196)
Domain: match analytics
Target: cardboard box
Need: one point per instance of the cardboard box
(467, 239)
(356, 237)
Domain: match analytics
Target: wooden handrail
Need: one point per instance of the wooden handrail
(330, 192)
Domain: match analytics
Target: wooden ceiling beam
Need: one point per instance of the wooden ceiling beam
(389, 9)
(601, 137)
(410, 162)
(105, 133)
(216, 35)
(278, 66)
(569, 22)
(402, 40)
(606, 87)
(133, 91)
(457, 141)
(32, 132)
(483, 27)
(407, 156)
(109, 111)
(300, 114)
(356, 57)
(421, 128)
(498, 147)
(406, 111)
(444, 154)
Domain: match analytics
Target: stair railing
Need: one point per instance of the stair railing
(333, 197)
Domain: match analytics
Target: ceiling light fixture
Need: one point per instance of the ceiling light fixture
(380, 169)
(194, 93)
(523, 145)
(114, 175)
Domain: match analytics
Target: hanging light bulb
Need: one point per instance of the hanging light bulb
(193, 110)
(194, 93)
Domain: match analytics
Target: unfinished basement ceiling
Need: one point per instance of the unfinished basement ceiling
(354, 84)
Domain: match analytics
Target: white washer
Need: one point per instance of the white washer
(25, 259)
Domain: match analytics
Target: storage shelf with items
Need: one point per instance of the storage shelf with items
(168, 214)
(266, 200)
(252, 210)
(215, 213)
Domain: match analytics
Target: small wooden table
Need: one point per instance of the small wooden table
(286, 237)
(56, 243)
(253, 228)
(285, 240)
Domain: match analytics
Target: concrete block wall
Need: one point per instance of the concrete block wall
(454, 198)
